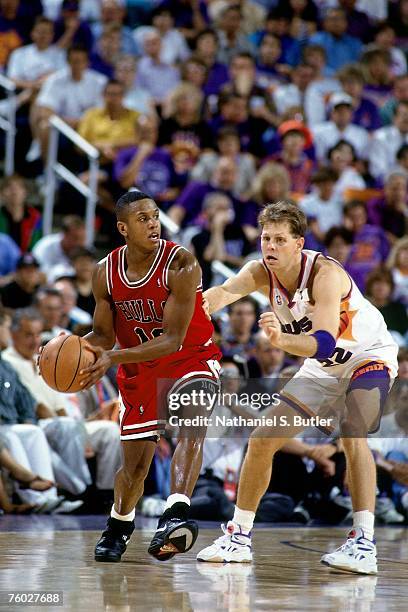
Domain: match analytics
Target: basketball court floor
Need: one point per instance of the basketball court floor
(56, 554)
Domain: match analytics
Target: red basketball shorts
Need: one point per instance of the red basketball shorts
(143, 398)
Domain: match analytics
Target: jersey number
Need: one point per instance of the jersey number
(143, 337)
(339, 356)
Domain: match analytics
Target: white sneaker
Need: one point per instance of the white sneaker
(233, 547)
(386, 512)
(357, 555)
(66, 507)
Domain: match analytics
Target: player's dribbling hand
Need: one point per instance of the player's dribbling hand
(93, 373)
(269, 323)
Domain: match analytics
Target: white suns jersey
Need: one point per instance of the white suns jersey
(362, 327)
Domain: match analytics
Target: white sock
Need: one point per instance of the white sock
(365, 521)
(176, 497)
(122, 517)
(244, 518)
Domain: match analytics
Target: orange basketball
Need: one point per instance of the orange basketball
(62, 359)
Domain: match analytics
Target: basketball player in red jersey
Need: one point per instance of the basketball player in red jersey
(149, 299)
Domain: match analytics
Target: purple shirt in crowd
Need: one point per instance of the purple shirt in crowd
(366, 115)
(369, 250)
(390, 220)
(156, 173)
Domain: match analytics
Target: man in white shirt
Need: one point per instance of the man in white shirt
(68, 93)
(322, 208)
(65, 436)
(293, 94)
(174, 47)
(156, 77)
(328, 133)
(386, 142)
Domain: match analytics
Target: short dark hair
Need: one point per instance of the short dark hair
(46, 292)
(247, 299)
(42, 19)
(354, 204)
(122, 205)
(338, 232)
(81, 251)
(324, 175)
(22, 314)
(244, 55)
(379, 274)
(285, 211)
(72, 222)
(339, 144)
(77, 48)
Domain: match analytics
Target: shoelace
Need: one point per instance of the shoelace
(224, 538)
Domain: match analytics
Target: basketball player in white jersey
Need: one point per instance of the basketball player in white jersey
(318, 313)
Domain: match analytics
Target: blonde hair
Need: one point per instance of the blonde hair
(270, 172)
(400, 245)
(184, 90)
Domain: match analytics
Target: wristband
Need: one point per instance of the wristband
(326, 343)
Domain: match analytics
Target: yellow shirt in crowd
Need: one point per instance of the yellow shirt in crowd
(97, 127)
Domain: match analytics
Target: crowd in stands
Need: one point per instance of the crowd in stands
(214, 108)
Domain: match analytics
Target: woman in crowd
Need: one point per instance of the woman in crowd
(18, 219)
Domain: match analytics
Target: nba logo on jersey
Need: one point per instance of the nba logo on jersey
(158, 282)
(278, 299)
(141, 409)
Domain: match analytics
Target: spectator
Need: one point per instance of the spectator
(293, 94)
(189, 17)
(222, 237)
(391, 210)
(153, 75)
(398, 19)
(238, 338)
(147, 166)
(267, 363)
(174, 46)
(107, 50)
(56, 249)
(321, 207)
(397, 263)
(385, 39)
(48, 302)
(377, 65)
(230, 36)
(111, 127)
(321, 88)
(358, 23)
(68, 93)
(339, 127)
(370, 245)
(70, 29)
(379, 290)
(64, 435)
(228, 145)
(9, 255)
(340, 48)
(19, 293)
(29, 66)
(13, 30)
(72, 315)
(365, 112)
(295, 139)
(194, 72)
(135, 98)
(270, 72)
(114, 12)
(386, 142)
(342, 160)
(84, 263)
(400, 94)
(206, 49)
(17, 219)
(338, 242)
(302, 15)
(253, 15)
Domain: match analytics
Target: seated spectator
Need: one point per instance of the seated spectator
(70, 29)
(399, 94)
(269, 71)
(321, 207)
(68, 93)
(278, 24)
(17, 219)
(147, 166)
(302, 15)
(385, 39)
(153, 75)
(295, 138)
(370, 245)
(340, 48)
(230, 35)
(206, 49)
(271, 184)
(222, 237)
(9, 255)
(84, 263)
(56, 249)
(358, 22)
(189, 18)
(114, 12)
(194, 72)
(106, 52)
(391, 210)
(29, 66)
(135, 98)
(72, 315)
(238, 337)
(292, 94)
(340, 127)
(19, 293)
(379, 290)
(174, 46)
(110, 127)
(48, 302)
(265, 366)
(64, 435)
(377, 65)
(398, 18)
(13, 29)
(228, 145)
(342, 160)
(321, 88)
(365, 111)
(253, 13)
(387, 141)
(338, 242)
(397, 263)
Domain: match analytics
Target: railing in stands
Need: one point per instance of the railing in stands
(217, 266)
(54, 169)
(8, 123)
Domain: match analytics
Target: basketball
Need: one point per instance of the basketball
(62, 359)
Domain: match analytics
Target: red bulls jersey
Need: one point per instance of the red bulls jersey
(138, 305)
